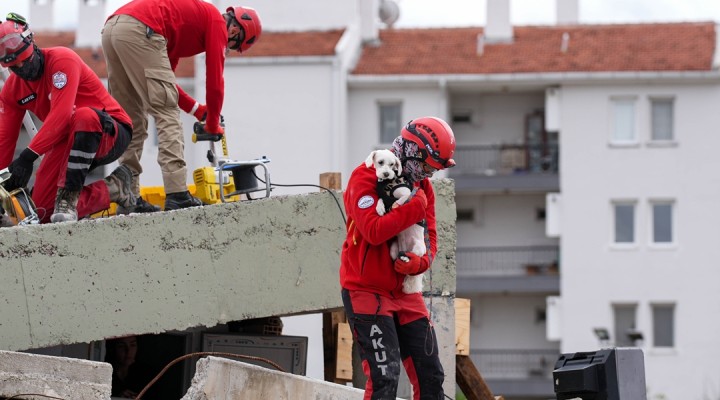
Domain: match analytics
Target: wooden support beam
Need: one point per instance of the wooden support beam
(470, 381)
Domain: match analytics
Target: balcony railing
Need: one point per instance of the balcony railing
(515, 364)
(505, 159)
(507, 260)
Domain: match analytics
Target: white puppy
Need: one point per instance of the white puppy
(386, 163)
(394, 191)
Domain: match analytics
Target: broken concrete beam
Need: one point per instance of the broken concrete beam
(149, 273)
(222, 379)
(59, 377)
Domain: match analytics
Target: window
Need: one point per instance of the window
(663, 325)
(662, 119)
(624, 222)
(623, 130)
(462, 116)
(662, 222)
(465, 215)
(624, 315)
(390, 122)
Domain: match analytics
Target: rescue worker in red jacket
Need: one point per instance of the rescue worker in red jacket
(83, 128)
(389, 325)
(143, 42)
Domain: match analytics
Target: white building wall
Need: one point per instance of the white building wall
(282, 111)
(597, 274)
(505, 322)
(503, 220)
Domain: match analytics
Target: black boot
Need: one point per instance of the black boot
(140, 206)
(176, 201)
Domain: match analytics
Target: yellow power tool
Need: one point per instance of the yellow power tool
(16, 205)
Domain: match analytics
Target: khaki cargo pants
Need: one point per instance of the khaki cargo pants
(141, 80)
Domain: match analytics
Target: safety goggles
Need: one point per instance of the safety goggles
(12, 46)
(428, 151)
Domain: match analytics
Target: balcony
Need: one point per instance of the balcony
(527, 269)
(517, 168)
(517, 373)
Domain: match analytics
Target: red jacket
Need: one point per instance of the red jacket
(365, 260)
(66, 83)
(190, 27)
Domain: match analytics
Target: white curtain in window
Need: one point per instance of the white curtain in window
(624, 118)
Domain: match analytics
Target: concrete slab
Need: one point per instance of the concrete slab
(223, 379)
(60, 377)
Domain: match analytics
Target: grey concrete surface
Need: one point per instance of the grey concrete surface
(59, 377)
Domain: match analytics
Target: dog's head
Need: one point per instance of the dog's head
(387, 165)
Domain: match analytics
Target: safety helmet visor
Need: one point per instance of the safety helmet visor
(13, 49)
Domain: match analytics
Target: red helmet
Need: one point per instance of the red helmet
(249, 20)
(16, 43)
(434, 138)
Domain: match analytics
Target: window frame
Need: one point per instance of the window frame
(381, 105)
(613, 118)
(613, 229)
(614, 335)
(673, 307)
(651, 222)
(652, 141)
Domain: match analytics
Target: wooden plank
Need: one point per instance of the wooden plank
(462, 326)
(344, 368)
(331, 180)
(470, 381)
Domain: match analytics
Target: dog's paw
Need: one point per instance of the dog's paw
(380, 208)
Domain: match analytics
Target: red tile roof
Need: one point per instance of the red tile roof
(591, 48)
(288, 44)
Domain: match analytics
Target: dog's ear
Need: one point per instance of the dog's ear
(399, 166)
(370, 160)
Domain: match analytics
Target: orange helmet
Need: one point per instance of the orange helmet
(435, 140)
(16, 43)
(249, 20)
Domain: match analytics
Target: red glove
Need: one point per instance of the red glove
(201, 112)
(409, 263)
(215, 130)
(420, 194)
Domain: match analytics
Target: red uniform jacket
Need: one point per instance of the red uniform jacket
(365, 260)
(190, 27)
(67, 82)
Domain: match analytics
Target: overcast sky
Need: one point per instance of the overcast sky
(434, 13)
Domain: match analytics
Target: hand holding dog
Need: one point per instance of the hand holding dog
(409, 263)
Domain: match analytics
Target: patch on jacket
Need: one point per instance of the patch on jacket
(59, 80)
(366, 201)
(27, 99)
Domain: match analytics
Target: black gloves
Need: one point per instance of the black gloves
(21, 169)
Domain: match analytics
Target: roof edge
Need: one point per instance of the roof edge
(557, 77)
